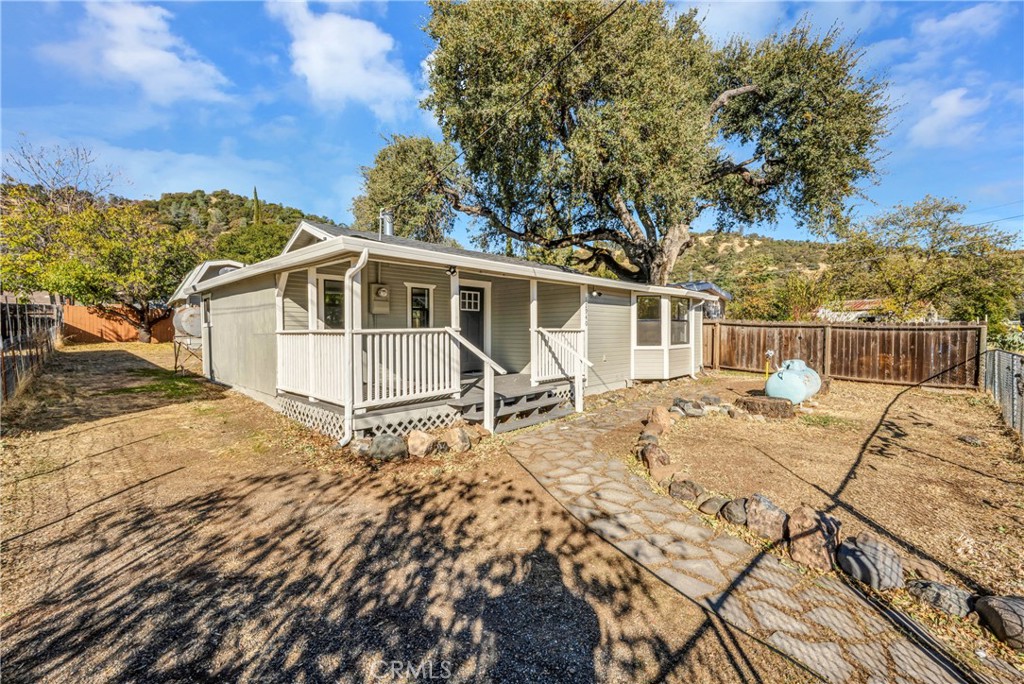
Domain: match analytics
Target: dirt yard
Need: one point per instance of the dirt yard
(158, 528)
(880, 458)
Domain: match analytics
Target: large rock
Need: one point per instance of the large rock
(735, 511)
(710, 399)
(919, 567)
(770, 407)
(660, 417)
(871, 561)
(693, 409)
(941, 596)
(477, 433)
(457, 439)
(812, 538)
(657, 461)
(1004, 615)
(387, 448)
(420, 443)
(765, 519)
(685, 490)
(712, 505)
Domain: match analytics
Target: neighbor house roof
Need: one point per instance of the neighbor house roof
(705, 286)
(390, 246)
(197, 274)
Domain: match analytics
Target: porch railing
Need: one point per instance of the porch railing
(309, 363)
(561, 354)
(406, 365)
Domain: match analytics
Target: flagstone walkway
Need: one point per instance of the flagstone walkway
(821, 623)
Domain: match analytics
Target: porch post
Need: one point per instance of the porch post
(311, 304)
(356, 347)
(280, 281)
(534, 323)
(455, 363)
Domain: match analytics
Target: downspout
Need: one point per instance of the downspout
(350, 390)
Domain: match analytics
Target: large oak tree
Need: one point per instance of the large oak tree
(645, 127)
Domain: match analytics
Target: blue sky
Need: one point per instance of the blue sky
(294, 98)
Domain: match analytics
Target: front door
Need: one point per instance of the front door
(471, 320)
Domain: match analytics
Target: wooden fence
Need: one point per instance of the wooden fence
(83, 325)
(937, 355)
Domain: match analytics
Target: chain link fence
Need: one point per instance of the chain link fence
(1004, 378)
(30, 333)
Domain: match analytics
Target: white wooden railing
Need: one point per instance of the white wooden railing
(309, 363)
(560, 354)
(395, 366)
(406, 365)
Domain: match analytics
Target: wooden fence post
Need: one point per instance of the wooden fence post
(982, 356)
(716, 345)
(826, 358)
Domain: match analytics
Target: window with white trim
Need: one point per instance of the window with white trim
(648, 321)
(419, 307)
(469, 300)
(332, 304)
(679, 320)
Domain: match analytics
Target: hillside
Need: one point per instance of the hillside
(730, 259)
(230, 223)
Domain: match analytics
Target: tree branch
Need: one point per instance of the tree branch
(722, 100)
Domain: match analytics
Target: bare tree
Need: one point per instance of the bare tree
(66, 177)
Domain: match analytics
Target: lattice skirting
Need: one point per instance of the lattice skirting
(323, 420)
(402, 423)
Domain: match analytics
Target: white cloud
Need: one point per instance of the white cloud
(979, 20)
(948, 123)
(134, 44)
(345, 60)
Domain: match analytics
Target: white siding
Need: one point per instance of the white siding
(650, 363)
(243, 345)
(608, 340)
(296, 301)
(679, 362)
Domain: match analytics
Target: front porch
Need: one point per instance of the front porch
(390, 347)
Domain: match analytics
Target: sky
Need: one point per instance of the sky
(295, 98)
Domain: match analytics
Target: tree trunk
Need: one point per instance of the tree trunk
(145, 332)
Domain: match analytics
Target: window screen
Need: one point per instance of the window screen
(680, 333)
(648, 321)
(419, 307)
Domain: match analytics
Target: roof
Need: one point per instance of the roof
(861, 304)
(393, 247)
(196, 275)
(705, 286)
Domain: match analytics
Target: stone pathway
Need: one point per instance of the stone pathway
(822, 623)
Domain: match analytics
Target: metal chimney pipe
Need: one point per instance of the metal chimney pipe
(387, 223)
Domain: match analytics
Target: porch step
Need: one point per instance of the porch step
(534, 419)
(475, 412)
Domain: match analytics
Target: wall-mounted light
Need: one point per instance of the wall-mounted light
(452, 270)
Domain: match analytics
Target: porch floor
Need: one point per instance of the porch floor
(507, 386)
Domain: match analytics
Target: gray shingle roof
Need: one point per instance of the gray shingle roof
(341, 231)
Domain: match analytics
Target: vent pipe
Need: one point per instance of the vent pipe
(387, 223)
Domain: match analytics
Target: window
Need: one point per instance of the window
(648, 321)
(332, 304)
(469, 300)
(680, 321)
(419, 307)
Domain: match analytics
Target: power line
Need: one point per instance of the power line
(998, 206)
(519, 100)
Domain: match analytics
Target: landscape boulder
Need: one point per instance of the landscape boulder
(871, 561)
(476, 432)
(710, 399)
(657, 461)
(924, 569)
(765, 519)
(735, 511)
(457, 439)
(712, 505)
(420, 443)
(770, 407)
(693, 409)
(660, 417)
(685, 490)
(812, 538)
(648, 437)
(826, 387)
(387, 448)
(941, 596)
(971, 440)
(1004, 615)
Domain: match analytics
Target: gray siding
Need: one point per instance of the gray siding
(395, 277)
(608, 340)
(334, 269)
(243, 344)
(679, 362)
(650, 363)
(296, 302)
(558, 306)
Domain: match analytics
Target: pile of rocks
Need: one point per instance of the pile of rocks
(456, 439)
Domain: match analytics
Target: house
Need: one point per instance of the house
(184, 293)
(713, 308)
(350, 332)
(870, 311)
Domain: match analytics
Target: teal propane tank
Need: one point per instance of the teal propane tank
(793, 381)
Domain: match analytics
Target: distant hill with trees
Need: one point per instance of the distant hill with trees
(236, 227)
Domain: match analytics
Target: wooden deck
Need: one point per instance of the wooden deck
(506, 387)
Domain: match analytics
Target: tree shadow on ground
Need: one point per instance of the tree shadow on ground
(297, 576)
(82, 386)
